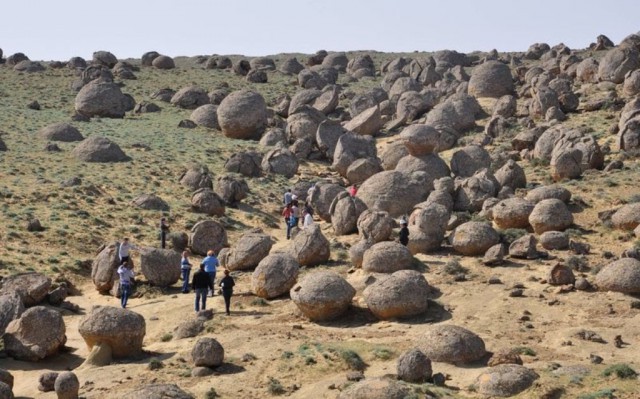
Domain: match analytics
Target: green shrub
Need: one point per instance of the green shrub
(620, 370)
(211, 394)
(603, 393)
(524, 350)
(155, 364)
(259, 302)
(454, 267)
(353, 360)
(382, 353)
(166, 337)
(510, 235)
(275, 387)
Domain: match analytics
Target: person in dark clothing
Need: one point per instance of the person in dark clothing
(404, 233)
(227, 284)
(201, 284)
(164, 230)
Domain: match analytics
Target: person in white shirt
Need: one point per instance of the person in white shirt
(124, 249)
(126, 275)
(308, 220)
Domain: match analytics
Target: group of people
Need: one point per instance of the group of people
(202, 283)
(292, 212)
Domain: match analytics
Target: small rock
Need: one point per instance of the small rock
(47, 381)
(494, 280)
(595, 359)
(201, 372)
(355, 376)
(439, 379)
(34, 105)
(516, 293)
(187, 124)
(582, 284)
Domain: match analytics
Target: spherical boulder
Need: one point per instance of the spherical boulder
(206, 116)
(150, 202)
(99, 98)
(622, 275)
(26, 339)
(511, 175)
(207, 235)
(386, 257)
(232, 189)
(105, 58)
(275, 275)
(163, 62)
(207, 352)
(67, 385)
(512, 213)
(204, 200)
(196, 177)
(243, 115)
(374, 225)
(99, 149)
(322, 295)
(617, 62)
(351, 147)
(246, 163)
(468, 160)
(505, 380)
(553, 240)
(491, 79)
(452, 344)
(414, 366)
(248, 250)
(31, 287)
(548, 192)
(11, 307)
(310, 247)
(121, 329)
(345, 211)
(322, 197)
(550, 215)
(380, 191)
(280, 161)
(627, 217)
(60, 132)
(420, 139)
(474, 238)
(5, 391)
(160, 266)
(190, 97)
(400, 295)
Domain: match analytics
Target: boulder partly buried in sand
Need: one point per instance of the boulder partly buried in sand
(275, 275)
(26, 339)
(451, 344)
(99, 149)
(121, 329)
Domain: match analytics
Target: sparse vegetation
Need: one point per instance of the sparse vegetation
(352, 359)
(275, 387)
(621, 370)
(211, 394)
(155, 364)
(524, 350)
(601, 394)
(454, 267)
(166, 337)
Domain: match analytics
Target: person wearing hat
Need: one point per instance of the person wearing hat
(404, 232)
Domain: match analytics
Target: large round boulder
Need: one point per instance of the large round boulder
(511, 175)
(382, 191)
(275, 275)
(60, 132)
(473, 191)
(617, 62)
(386, 257)
(26, 339)
(246, 163)
(243, 115)
(548, 192)
(367, 123)
(161, 267)
(322, 295)
(627, 217)
(402, 294)
(622, 275)
(468, 160)
(207, 352)
(550, 215)
(280, 161)
(99, 149)
(310, 247)
(431, 165)
(414, 366)
(206, 116)
(103, 99)
(104, 267)
(375, 226)
(206, 201)
(207, 235)
(474, 238)
(457, 112)
(232, 189)
(512, 213)
(351, 147)
(31, 287)
(66, 385)
(196, 177)
(420, 139)
(150, 202)
(322, 197)
(452, 344)
(190, 97)
(11, 307)
(491, 79)
(505, 380)
(163, 62)
(105, 58)
(121, 329)
(345, 211)
(427, 227)
(248, 251)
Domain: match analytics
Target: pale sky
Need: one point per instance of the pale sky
(60, 29)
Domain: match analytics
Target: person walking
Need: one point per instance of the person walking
(286, 214)
(185, 268)
(164, 230)
(123, 250)
(227, 285)
(126, 276)
(287, 197)
(404, 233)
(308, 220)
(201, 283)
(210, 266)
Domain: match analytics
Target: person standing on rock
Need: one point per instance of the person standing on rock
(404, 233)
(185, 268)
(164, 230)
(286, 213)
(201, 283)
(210, 264)
(123, 250)
(126, 276)
(227, 285)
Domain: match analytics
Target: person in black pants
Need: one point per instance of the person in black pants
(201, 284)
(404, 233)
(164, 230)
(227, 284)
